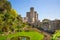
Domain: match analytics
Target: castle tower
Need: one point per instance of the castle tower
(32, 15)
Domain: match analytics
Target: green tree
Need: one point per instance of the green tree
(5, 6)
(9, 20)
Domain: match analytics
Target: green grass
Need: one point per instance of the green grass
(32, 34)
(57, 34)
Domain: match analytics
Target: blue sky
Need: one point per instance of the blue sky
(49, 9)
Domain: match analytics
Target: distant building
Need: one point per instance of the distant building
(50, 25)
(32, 16)
(57, 23)
(25, 19)
(45, 24)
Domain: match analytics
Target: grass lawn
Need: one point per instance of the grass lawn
(32, 34)
(56, 35)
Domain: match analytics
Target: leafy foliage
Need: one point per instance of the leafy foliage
(9, 20)
(56, 35)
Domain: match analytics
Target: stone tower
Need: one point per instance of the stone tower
(32, 15)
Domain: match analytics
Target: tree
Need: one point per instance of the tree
(9, 20)
(5, 6)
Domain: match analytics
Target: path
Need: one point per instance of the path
(47, 36)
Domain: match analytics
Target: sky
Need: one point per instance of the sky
(46, 9)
